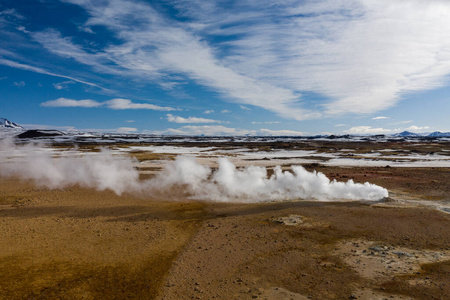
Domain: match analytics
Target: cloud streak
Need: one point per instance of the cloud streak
(13, 64)
(178, 119)
(115, 104)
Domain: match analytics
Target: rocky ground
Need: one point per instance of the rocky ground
(77, 243)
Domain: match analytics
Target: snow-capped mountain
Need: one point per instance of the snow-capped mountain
(5, 123)
(439, 134)
(406, 134)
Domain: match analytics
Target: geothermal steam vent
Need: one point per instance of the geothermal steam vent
(104, 170)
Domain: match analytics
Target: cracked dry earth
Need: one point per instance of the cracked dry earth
(83, 244)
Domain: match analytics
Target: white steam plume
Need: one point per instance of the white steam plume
(104, 170)
(101, 171)
(253, 185)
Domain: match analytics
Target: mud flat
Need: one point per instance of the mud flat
(79, 243)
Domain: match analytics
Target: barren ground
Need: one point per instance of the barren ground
(79, 243)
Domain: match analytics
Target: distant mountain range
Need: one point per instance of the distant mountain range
(412, 134)
(5, 123)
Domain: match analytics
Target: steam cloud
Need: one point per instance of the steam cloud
(104, 170)
(101, 170)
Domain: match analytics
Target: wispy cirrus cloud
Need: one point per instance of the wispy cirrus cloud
(153, 46)
(380, 118)
(360, 56)
(11, 13)
(115, 104)
(178, 119)
(14, 64)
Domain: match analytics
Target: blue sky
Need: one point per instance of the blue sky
(254, 67)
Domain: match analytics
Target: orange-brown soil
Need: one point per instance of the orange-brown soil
(77, 243)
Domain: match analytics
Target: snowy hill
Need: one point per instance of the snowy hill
(5, 123)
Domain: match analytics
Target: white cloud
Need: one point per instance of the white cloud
(268, 132)
(219, 130)
(380, 118)
(126, 130)
(63, 85)
(155, 47)
(45, 126)
(116, 104)
(75, 130)
(11, 12)
(417, 128)
(13, 64)
(120, 103)
(267, 122)
(178, 119)
(225, 111)
(130, 121)
(402, 122)
(85, 29)
(65, 47)
(64, 102)
(208, 111)
(209, 130)
(22, 29)
(244, 107)
(19, 84)
(340, 125)
(361, 55)
(367, 130)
